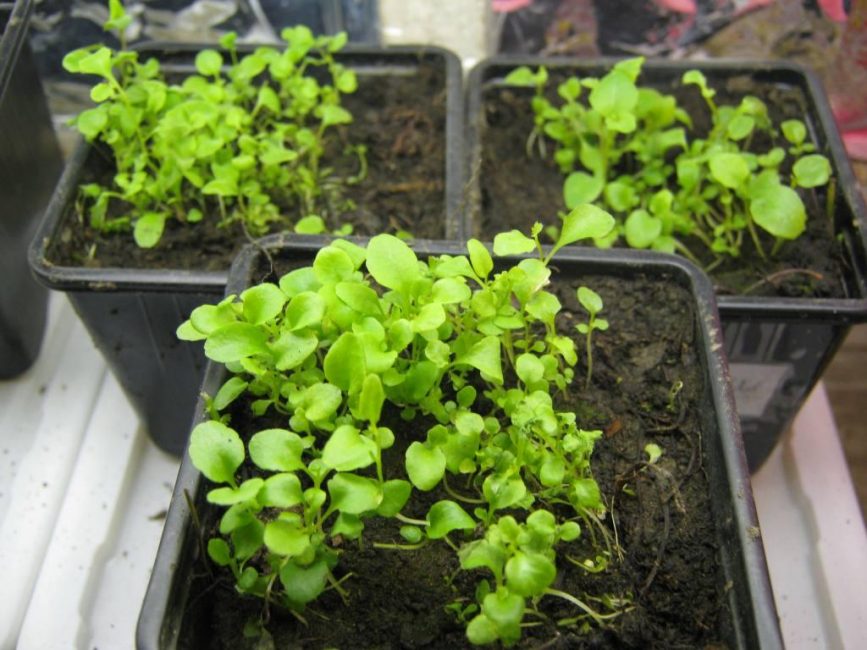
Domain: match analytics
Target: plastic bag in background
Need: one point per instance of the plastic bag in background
(592, 27)
(846, 78)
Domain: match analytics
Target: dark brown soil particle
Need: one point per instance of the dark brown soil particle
(517, 189)
(667, 577)
(400, 119)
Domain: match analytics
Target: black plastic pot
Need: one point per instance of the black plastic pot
(777, 348)
(174, 612)
(30, 163)
(132, 314)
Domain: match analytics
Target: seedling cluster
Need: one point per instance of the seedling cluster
(242, 139)
(363, 331)
(631, 149)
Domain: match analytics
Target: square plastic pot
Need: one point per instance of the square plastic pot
(30, 163)
(132, 314)
(174, 614)
(777, 348)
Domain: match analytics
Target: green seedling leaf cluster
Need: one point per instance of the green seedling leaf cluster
(451, 340)
(632, 150)
(241, 140)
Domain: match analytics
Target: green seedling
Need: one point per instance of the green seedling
(631, 149)
(328, 347)
(241, 141)
(592, 302)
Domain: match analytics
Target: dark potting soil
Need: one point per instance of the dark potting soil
(669, 574)
(400, 119)
(517, 190)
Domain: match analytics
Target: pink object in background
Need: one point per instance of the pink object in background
(847, 81)
(834, 10)
(679, 6)
(506, 6)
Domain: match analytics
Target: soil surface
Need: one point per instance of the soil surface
(516, 190)
(669, 573)
(401, 119)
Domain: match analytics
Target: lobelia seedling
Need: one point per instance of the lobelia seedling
(329, 348)
(630, 148)
(243, 138)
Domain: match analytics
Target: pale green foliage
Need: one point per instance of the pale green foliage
(233, 142)
(330, 347)
(631, 150)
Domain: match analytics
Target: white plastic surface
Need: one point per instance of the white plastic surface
(814, 535)
(76, 568)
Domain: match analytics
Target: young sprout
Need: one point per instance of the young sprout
(592, 302)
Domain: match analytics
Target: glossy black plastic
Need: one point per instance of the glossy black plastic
(777, 348)
(132, 314)
(168, 613)
(30, 163)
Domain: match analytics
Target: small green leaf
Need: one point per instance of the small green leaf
(779, 210)
(285, 538)
(310, 225)
(91, 122)
(262, 303)
(291, 350)
(740, 127)
(584, 222)
(525, 77)
(812, 171)
(729, 169)
(446, 516)
(347, 450)
(513, 242)
(359, 297)
(209, 63)
(395, 494)
(503, 491)
(344, 364)
(236, 341)
(354, 494)
(480, 258)
(281, 491)
(305, 309)
(218, 551)
(482, 553)
(321, 401)
(277, 450)
(331, 114)
(149, 229)
(371, 399)
(332, 265)
(580, 187)
(392, 263)
(229, 392)
(794, 131)
(216, 451)
(227, 496)
(529, 574)
(348, 526)
(425, 466)
(641, 229)
(505, 609)
(614, 94)
(482, 630)
(529, 368)
(485, 356)
(303, 584)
